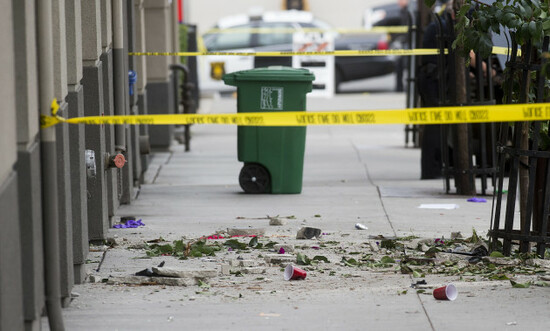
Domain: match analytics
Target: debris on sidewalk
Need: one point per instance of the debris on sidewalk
(360, 226)
(149, 271)
(128, 222)
(294, 273)
(182, 273)
(447, 292)
(476, 199)
(308, 233)
(285, 247)
(276, 221)
(147, 281)
(439, 206)
(246, 231)
(278, 259)
(456, 235)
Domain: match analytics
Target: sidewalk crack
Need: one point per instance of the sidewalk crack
(369, 178)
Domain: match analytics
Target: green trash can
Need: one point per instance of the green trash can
(273, 156)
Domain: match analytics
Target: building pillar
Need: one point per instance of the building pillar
(98, 220)
(28, 162)
(160, 94)
(63, 152)
(11, 287)
(122, 40)
(106, 58)
(75, 101)
(140, 88)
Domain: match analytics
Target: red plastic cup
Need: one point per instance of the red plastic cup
(292, 272)
(448, 292)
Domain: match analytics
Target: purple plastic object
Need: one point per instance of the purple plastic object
(477, 200)
(129, 224)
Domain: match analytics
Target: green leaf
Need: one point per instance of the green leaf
(253, 242)
(270, 244)
(474, 238)
(417, 274)
(179, 246)
(499, 277)
(350, 262)
(496, 254)
(203, 284)
(533, 28)
(235, 244)
(321, 258)
(541, 284)
(302, 259)
(432, 251)
(520, 285)
(387, 260)
(164, 249)
(429, 3)
(405, 269)
(388, 244)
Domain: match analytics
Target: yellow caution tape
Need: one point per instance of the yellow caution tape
(374, 52)
(376, 29)
(47, 121)
(438, 115)
(54, 107)
(504, 51)
(371, 52)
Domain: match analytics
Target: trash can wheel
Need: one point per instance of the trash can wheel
(254, 178)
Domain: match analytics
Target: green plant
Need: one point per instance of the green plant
(528, 21)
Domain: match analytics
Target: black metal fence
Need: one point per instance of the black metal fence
(514, 157)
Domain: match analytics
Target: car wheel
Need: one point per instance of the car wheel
(254, 178)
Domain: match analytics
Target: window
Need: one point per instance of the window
(228, 39)
(284, 36)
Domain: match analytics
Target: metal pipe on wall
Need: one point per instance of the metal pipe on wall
(119, 74)
(49, 167)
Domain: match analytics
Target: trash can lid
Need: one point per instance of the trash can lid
(273, 73)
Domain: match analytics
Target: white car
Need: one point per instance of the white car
(242, 33)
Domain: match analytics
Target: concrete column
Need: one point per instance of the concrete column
(11, 288)
(98, 221)
(122, 100)
(158, 38)
(134, 131)
(75, 101)
(140, 88)
(174, 27)
(106, 59)
(28, 161)
(63, 151)
(140, 64)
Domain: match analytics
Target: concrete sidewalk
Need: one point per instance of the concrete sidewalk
(354, 174)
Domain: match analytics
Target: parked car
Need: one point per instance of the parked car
(240, 34)
(389, 14)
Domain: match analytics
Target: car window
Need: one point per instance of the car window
(277, 38)
(227, 39)
(315, 24)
